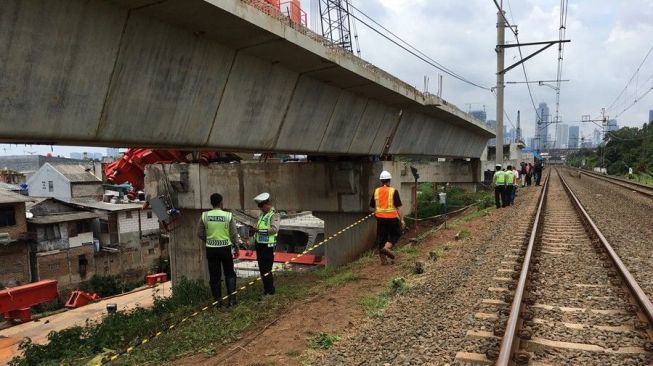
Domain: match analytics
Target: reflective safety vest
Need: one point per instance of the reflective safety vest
(216, 223)
(263, 225)
(384, 203)
(500, 178)
(510, 177)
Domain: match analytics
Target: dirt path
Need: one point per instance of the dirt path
(336, 310)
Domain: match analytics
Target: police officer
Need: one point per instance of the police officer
(218, 230)
(510, 185)
(267, 228)
(389, 219)
(499, 184)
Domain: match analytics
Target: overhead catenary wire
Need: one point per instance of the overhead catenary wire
(614, 102)
(406, 46)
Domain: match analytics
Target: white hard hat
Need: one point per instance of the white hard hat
(499, 166)
(262, 197)
(385, 175)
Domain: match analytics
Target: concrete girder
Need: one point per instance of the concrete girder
(214, 74)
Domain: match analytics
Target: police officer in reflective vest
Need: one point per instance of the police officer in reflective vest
(267, 228)
(389, 219)
(509, 190)
(499, 185)
(218, 230)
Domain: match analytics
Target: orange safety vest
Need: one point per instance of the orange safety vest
(384, 203)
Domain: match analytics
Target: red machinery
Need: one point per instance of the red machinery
(15, 302)
(80, 298)
(131, 167)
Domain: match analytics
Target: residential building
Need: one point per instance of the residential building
(64, 243)
(129, 237)
(562, 136)
(542, 127)
(64, 182)
(28, 164)
(612, 125)
(574, 137)
(14, 248)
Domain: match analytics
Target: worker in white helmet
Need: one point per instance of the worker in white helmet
(389, 219)
(267, 228)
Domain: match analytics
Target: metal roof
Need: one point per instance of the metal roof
(106, 206)
(11, 197)
(52, 219)
(76, 173)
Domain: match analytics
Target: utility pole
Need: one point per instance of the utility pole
(501, 39)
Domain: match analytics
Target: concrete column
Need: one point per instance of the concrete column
(349, 245)
(187, 253)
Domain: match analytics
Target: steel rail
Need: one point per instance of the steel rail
(510, 336)
(638, 293)
(637, 187)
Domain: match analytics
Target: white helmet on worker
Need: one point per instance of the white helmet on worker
(385, 175)
(262, 198)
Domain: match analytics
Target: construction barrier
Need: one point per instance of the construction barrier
(226, 297)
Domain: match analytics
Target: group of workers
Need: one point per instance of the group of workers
(507, 181)
(217, 229)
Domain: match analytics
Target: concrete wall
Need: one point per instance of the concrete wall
(349, 245)
(212, 74)
(80, 239)
(15, 231)
(87, 190)
(38, 184)
(14, 264)
(63, 266)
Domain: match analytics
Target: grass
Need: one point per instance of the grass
(323, 341)
(293, 353)
(374, 305)
(463, 234)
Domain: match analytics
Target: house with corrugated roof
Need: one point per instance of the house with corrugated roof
(65, 182)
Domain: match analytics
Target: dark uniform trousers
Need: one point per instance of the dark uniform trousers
(265, 258)
(220, 259)
(498, 195)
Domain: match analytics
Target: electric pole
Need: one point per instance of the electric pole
(501, 38)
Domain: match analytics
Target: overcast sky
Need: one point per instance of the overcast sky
(609, 40)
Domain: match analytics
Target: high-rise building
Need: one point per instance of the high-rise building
(532, 142)
(112, 152)
(491, 124)
(650, 115)
(542, 127)
(562, 136)
(506, 135)
(479, 115)
(518, 136)
(574, 137)
(596, 137)
(76, 155)
(612, 125)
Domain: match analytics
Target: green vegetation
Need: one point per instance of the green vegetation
(428, 203)
(463, 234)
(374, 305)
(108, 285)
(293, 353)
(203, 333)
(627, 147)
(323, 341)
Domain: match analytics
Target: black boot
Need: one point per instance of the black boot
(231, 288)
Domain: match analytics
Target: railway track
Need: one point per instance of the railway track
(643, 189)
(575, 303)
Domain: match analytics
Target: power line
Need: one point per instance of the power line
(412, 49)
(631, 79)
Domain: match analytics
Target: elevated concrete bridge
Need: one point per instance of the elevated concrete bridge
(206, 74)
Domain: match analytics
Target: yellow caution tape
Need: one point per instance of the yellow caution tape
(251, 283)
